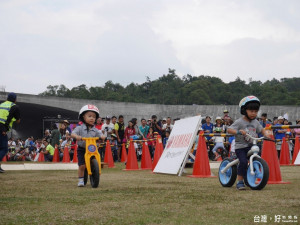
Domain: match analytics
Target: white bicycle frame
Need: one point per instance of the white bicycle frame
(253, 152)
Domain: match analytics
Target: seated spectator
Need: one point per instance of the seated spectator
(67, 142)
(218, 141)
(48, 151)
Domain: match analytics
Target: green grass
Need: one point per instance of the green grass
(140, 197)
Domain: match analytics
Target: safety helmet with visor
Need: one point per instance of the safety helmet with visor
(87, 108)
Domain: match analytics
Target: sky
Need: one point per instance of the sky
(74, 42)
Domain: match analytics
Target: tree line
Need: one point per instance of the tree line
(170, 89)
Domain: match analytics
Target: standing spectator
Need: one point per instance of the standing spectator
(155, 124)
(114, 148)
(119, 131)
(9, 113)
(226, 115)
(48, 151)
(264, 120)
(107, 128)
(99, 123)
(67, 125)
(55, 136)
(297, 130)
(64, 129)
(279, 134)
(167, 126)
(219, 123)
(47, 135)
(136, 127)
(129, 131)
(114, 120)
(166, 138)
(150, 137)
(275, 120)
(144, 128)
(207, 127)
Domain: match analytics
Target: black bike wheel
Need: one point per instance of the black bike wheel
(259, 180)
(228, 178)
(85, 176)
(95, 177)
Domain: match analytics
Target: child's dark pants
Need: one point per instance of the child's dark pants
(242, 156)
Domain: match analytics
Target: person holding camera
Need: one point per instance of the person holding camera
(107, 128)
(156, 125)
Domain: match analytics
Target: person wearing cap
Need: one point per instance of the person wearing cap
(219, 123)
(279, 134)
(226, 116)
(167, 126)
(107, 128)
(63, 130)
(9, 113)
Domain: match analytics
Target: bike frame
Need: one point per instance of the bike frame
(91, 150)
(253, 152)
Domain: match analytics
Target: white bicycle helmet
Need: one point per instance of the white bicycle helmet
(245, 101)
(87, 108)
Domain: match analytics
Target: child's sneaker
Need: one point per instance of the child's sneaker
(240, 185)
(80, 183)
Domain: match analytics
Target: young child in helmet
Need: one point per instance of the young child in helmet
(249, 107)
(88, 115)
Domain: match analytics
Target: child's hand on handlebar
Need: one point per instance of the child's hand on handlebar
(242, 132)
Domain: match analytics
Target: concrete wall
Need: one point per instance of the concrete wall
(139, 110)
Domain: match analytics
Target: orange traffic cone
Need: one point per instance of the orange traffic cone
(75, 159)
(132, 163)
(159, 148)
(201, 164)
(269, 154)
(41, 157)
(296, 150)
(4, 159)
(108, 158)
(124, 153)
(284, 153)
(56, 155)
(66, 158)
(146, 163)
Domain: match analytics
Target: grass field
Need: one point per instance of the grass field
(140, 197)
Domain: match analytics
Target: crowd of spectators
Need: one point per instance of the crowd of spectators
(117, 132)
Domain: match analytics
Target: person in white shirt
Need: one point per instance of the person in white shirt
(107, 128)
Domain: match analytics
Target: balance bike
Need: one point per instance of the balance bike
(257, 172)
(92, 161)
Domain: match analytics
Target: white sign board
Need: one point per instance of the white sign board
(179, 143)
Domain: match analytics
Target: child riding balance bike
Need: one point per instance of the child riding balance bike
(89, 161)
(244, 130)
